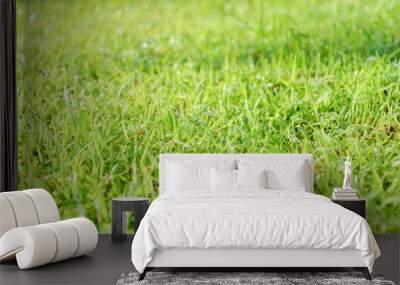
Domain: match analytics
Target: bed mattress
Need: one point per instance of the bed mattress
(250, 219)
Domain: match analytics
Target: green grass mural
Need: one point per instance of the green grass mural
(106, 86)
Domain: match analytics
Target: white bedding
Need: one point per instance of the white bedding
(250, 218)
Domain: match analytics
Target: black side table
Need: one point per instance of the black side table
(358, 206)
(120, 206)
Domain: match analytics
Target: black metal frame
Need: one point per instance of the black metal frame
(8, 98)
(364, 270)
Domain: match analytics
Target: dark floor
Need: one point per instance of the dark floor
(110, 260)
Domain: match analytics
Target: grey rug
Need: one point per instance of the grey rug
(228, 278)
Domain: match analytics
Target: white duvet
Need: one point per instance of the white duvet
(250, 219)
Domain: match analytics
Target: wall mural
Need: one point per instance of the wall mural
(105, 87)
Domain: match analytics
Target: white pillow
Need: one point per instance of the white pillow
(251, 178)
(226, 179)
(282, 174)
(223, 179)
(188, 177)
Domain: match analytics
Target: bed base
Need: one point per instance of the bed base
(363, 270)
(247, 259)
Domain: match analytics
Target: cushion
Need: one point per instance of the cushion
(208, 161)
(23, 208)
(32, 246)
(7, 220)
(251, 178)
(226, 179)
(67, 239)
(188, 177)
(282, 174)
(223, 179)
(87, 234)
(45, 205)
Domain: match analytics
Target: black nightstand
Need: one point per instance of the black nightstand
(358, 206)
(120, 206)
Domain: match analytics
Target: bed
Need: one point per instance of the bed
(247, 210)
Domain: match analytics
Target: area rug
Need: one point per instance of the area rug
(269, 278)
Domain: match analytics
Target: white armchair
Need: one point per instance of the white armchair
(31, 230)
